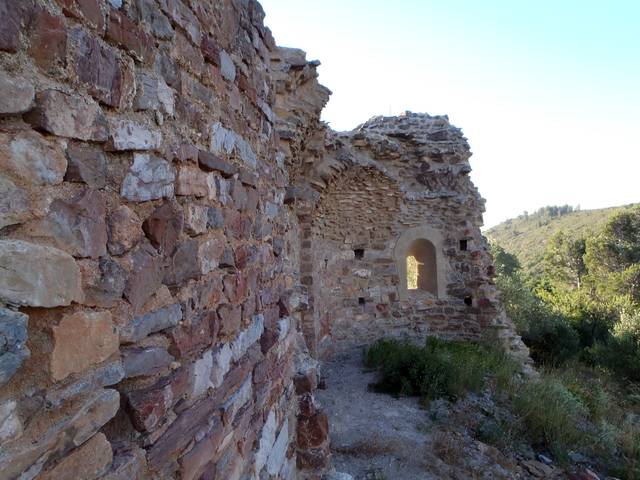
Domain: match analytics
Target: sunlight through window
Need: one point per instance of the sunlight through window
(412, 273)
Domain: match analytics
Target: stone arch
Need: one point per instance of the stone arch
(427, 243)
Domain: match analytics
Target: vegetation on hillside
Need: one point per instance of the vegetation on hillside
(585, 303)
(580, 317)
(526, 237)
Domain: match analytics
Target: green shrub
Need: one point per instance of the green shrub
(621, 352)
(551, 340)
(501, 434)
(439, 369)
(591, 387)
(629, 464)
(552, 413)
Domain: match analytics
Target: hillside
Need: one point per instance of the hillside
(527, 236)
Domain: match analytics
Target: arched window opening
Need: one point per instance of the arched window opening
(422, 267)
(412, 273)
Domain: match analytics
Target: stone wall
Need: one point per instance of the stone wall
(362, 197)
(182, 238)
(148, 275)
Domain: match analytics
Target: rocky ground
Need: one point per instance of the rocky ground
(378, 437)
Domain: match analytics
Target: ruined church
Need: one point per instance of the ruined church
(183, 241)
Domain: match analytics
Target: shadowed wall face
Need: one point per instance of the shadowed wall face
(149, 276)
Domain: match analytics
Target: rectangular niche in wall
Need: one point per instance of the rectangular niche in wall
(361, 301)
(464, 245)
(359, 253)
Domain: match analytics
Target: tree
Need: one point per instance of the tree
(563, 261)
(613, 257)
(504, 262)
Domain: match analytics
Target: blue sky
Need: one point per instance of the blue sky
(548, 92)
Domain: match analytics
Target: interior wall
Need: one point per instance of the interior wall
(354, 214)
(377, 208)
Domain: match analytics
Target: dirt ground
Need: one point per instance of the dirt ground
(378, 437)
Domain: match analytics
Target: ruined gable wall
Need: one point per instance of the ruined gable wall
(365, 191)
(148, 274)
(398, 174)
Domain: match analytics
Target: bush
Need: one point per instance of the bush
(551, 340)
(502, 434)
(553, 414)
(593, 389)
(629, 464)
(439, 369)
(621, 352)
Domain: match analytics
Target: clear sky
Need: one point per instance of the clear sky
(546, 91)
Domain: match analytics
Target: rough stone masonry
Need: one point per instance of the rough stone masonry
(182, 240)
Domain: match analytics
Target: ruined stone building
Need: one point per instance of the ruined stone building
(182, 241)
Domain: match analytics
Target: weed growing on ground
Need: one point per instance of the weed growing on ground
(573, 409)
(438, 369)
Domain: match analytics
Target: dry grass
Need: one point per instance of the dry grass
(370, 448)
(448, 448)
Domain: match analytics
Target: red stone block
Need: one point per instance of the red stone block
(12, 14)
(315, 458)
(190, 114)
(185, 153)
(241, 254)
(210, 50)
(194, 463)
(164, 227)
(233, 224)
(271, 317)
(268, 339)
(209, 291)
(199, 334)
(181, 433)
(147, 408)
(484, 303)
(242, 286)
(110, 80)
(313, 431)
(230, 321)
(48, 40)
(145, 276)
(307, 405)
(210, 162)
(88, 10)
(306, 382)
(127, 34)
(183, 265)
(187, 55)
(246, 88)
(262, 369)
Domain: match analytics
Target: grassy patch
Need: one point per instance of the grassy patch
(437, 369)
(553, 415)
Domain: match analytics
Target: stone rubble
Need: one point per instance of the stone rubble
(178, 238)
